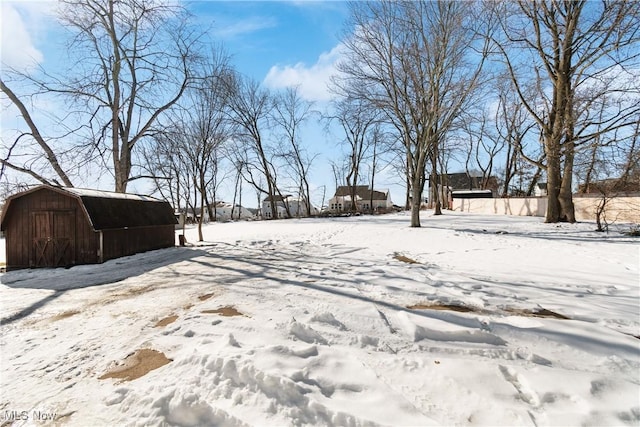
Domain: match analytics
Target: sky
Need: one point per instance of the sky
(279, 43)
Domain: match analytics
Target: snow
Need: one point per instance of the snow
(318, 331)
(85, 192)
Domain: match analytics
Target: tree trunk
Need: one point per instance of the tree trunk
(407, 202)
(434, 176)
(553, 187)
(373, 176)
(565, 197)
(201, 219)
(121, 170)
(239, 202)
(416, 193)
(533, 183)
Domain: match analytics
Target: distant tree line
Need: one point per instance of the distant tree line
(526, 91)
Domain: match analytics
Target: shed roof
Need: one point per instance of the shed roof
(86, 192)
(109, 210)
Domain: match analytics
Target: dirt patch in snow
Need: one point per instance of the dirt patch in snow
(137, 365)
(403, 258)
(134, 292)
(205, 297)
(538, 312)
(166, 321)
(64, 315)
(224, 311)
(447, 307)
(129, 293)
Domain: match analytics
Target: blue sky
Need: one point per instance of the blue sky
(279, 43)
(265, 34)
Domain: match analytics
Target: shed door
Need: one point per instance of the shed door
(53, 239)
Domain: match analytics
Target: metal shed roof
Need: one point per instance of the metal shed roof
(109, 210)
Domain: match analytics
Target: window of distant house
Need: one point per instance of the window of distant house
(340, 206)
(268, 214)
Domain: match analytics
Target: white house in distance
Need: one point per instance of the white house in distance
(367, 200)
(540, 190)
(224, 212)
(297, 207)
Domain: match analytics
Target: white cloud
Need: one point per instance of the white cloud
(228, 29)
(23, 23)
(312, 81)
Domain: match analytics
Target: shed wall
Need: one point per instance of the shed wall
(129, 241)
(48, 212)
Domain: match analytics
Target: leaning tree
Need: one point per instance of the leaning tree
(130, 61)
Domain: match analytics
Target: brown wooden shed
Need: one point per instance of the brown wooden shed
(49, 226)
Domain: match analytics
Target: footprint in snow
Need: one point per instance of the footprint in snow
(525, 392)
(306, 333)
(329, 319)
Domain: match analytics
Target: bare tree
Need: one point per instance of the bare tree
(52, 159)
(199, 130)
(250, 108)
(132, 61)
(577, 53)
(483, 147)
(357, 119)
(167, 167)
(289, 114)
(237, 191)
(610, 168)
(339, 171)
(379, 141)
(413, 61)
(512, 125)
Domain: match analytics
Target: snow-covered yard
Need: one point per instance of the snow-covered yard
(470, 320)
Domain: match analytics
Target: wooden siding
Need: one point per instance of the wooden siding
(129, 241)
(47, 228)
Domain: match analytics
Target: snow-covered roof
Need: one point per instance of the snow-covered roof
(85, 192)
(109, 210)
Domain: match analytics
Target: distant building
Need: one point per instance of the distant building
(366, 200)
(463, 185)
(611, 186)
(224, 212)
(540, 190)
(466, 182)
(287, 207)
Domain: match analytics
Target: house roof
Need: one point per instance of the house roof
(362, 191)
(108, 210)
(459, 181)
(276, 198)
(611, 185)
(464, 181)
